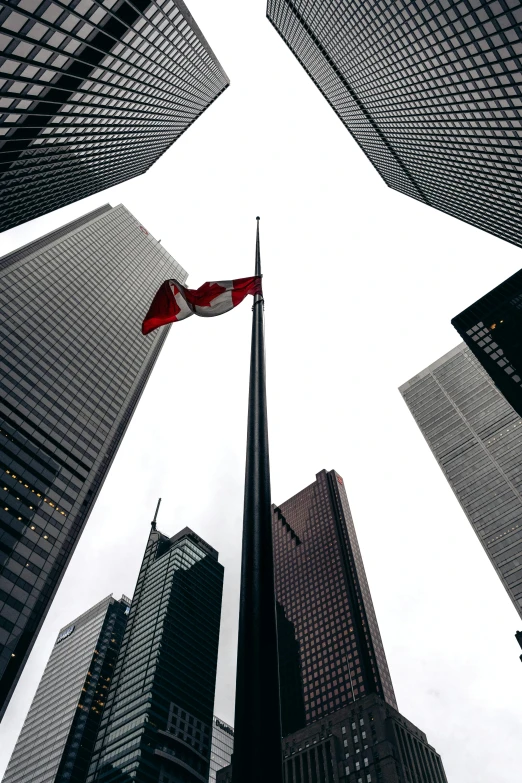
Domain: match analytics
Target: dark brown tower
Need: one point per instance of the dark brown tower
(322, 587)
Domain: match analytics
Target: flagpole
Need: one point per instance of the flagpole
(257, 726)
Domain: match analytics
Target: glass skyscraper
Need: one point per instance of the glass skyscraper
(58, 735)
(73, 365)
(157, 723)
(222, 746)
(492, 330)
(351, 731)
(92, 93)
(430, 91)
(366, 742)
(476, 437)
(322, 589)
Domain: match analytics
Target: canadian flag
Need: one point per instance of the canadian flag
(174, 302)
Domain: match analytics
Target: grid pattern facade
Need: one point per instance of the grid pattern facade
(58, 735)
(492, 330)
(322, 588)
(92, 92)
(431, 92)
(367, 743)
(222, 747)
(476, 437)
(157, 723)
(73, 365)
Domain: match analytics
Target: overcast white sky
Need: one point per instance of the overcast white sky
(360, 286)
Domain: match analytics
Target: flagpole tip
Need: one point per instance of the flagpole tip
(258, 218)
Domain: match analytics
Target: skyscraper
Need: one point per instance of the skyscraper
(73, 365)
(492, 330)
(354, 732)
(222, 746)
(430, 91)
(365, 742)
(58, 735)
(322, 588)
(157, 723)
(93, 93)
(476, 437)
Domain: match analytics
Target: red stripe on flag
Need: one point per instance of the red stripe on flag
(244, 286)
(163, 309)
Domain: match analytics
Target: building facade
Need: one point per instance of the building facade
(430, 91)
(366, 742)
(322, 588)
(58, 735)
(92, 93)
(351, 731)
(73, 365)
(222, 747)
(476, 438)
(492, 330)
(158, 719)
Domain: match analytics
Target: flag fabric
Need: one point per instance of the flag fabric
(174, 302)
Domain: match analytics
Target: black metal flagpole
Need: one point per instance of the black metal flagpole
(257, 727)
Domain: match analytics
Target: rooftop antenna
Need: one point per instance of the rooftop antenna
(153, 523)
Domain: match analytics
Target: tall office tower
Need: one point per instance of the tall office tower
(353, 731)
(93, 92)
(429, 90)
(157, 723)
(476, 437)
(322, 589)
(58, 735)
(492, 330)
(222, 747)
(366, 742)
(73, 365)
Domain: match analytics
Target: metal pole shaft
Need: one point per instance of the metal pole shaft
(257, 728)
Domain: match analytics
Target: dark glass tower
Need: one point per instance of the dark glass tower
(58, 735)
(322, 588)
(366, 742)
(92, 93)
(430, 91)
(492, 330)
(354, 732)
(73, 365)
(157, 724)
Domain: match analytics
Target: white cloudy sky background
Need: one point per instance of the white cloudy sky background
(360, 286)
